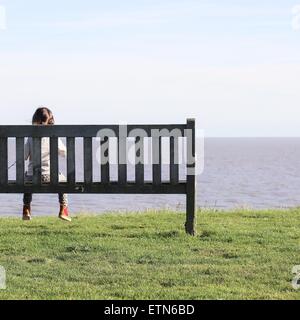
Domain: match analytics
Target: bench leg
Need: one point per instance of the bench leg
(191, 208)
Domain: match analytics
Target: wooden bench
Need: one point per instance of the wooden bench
(106, 186)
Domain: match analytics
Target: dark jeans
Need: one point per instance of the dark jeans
(63, 198)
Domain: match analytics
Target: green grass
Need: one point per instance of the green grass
(236, 255)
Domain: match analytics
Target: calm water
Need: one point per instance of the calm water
(255, 173)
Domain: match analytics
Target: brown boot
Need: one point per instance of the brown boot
(26, 213)
(64, 214)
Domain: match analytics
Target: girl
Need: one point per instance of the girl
(43, 116)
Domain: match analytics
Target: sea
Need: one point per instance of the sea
(251, 173)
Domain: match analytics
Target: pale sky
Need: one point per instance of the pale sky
(234, 65)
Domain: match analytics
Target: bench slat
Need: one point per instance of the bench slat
(105, 169)
(79, 130)
(36, 161)
(113, 188)
(122, 156)
(54, 161)
(20, 161)
(71, 164)
(157, 160)
(139, 165)
(174, 165)
(3, 161)
(88, 160)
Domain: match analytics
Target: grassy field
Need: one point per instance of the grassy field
(236, 255)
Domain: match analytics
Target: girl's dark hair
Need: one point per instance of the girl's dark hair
(43, 116)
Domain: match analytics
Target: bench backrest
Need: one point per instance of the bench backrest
(104, 133)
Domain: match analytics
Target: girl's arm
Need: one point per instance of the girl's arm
(62, 150)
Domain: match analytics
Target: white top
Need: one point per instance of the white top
(45, 152)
